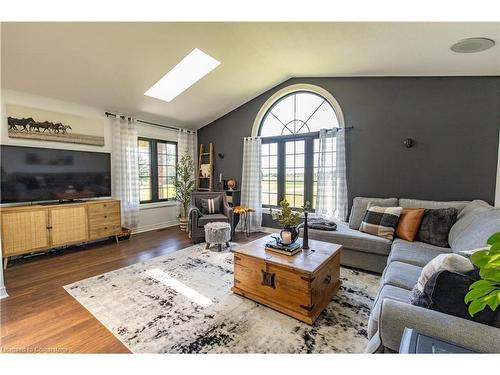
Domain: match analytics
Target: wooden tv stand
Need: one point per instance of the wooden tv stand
(28, 229)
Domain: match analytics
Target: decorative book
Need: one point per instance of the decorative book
(290, 249)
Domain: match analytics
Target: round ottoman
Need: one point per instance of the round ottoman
(217, 234)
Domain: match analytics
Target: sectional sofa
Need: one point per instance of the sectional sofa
(401, 263)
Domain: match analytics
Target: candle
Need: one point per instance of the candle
(286, 237)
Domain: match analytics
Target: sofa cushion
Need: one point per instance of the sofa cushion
(436, 225)
(417, 203)
(210, 218)
(353, 239)
(445, 292)
(473, 229)
(210, 205)
(409, 223)
(402, 275)
(360, 204)
(380, 221)
(416, 253)
(476, 206)
(387, 291)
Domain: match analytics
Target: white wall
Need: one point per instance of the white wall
(152, 216)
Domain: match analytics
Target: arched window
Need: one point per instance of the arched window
(289, 124)
(296, 113)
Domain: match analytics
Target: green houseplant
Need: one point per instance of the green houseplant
(184, 186)
(486, 292)
(288, 218)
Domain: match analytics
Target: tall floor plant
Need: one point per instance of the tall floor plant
(184, 185)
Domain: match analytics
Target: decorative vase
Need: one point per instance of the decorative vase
(183, 223)
(289, 235)
(231, 184)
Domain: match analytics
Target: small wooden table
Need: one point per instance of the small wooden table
(244, 213)
(301, 285)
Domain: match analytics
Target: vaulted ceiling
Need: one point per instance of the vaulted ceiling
(111, 65)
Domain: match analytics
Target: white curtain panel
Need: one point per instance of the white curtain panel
(331, 197)
(187, 140)
(125, 169)
(251, 181)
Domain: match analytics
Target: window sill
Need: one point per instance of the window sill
(149, 206)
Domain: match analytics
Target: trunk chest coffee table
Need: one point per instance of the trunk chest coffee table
(300, 285)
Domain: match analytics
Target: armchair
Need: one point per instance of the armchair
(197, 220)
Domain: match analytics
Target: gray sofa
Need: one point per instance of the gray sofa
(401, 263)
(197, 220)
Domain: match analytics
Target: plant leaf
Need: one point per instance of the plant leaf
(493, 299)
(493, 238)
(479, 258)
(476, 293)
(491, 274)
(495, 248)
(476, 306)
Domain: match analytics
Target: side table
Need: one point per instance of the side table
(244, 213)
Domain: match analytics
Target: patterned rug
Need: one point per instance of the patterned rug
(182, 303)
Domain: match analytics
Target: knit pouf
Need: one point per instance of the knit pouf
(217, 233)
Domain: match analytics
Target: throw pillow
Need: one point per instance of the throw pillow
(210, 205)
(445, 292)
(409, 223)
(436, 225)
(360, 205)
(381, 221)
(443, 262)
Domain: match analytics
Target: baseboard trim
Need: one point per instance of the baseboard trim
(149, 228)
(3, 292)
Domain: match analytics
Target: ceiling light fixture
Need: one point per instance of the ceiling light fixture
(191, 69)
(471, 45)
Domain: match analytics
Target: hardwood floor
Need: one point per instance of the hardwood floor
(40, 316)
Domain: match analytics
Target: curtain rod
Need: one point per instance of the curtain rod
(150, 123)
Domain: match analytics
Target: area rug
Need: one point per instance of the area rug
(182, 303)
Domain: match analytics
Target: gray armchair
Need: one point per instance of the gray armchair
(197, 220)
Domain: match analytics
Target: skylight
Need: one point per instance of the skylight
(191, 69)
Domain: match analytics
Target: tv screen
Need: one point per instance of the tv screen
(30, 174)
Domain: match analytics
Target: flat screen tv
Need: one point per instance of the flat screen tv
(30, 174)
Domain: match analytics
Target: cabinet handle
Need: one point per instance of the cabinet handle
(328, 279)
(105, 217)
(105, 205)
(105, 227)
(49, 227)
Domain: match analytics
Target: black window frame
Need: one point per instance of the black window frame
(153, 155)
(281, 140)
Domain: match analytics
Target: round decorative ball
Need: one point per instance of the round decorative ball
(231, 184)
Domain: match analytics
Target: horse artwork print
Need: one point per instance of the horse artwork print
(33, 123)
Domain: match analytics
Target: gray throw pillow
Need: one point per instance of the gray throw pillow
(210, 206)
(436, 225)
(360, 205)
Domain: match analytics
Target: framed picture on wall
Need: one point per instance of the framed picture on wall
(39, 124)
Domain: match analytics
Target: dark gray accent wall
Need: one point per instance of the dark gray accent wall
(454, 122)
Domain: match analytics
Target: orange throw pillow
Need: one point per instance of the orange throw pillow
(409, 223)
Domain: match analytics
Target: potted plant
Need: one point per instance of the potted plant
(184, 186)
(486, 291)
(289, 219)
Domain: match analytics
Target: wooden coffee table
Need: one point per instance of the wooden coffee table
(301, 285)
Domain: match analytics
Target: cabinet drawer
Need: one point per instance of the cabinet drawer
(271, 282)
(105, 231)
(104, 207)
(100, 218)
